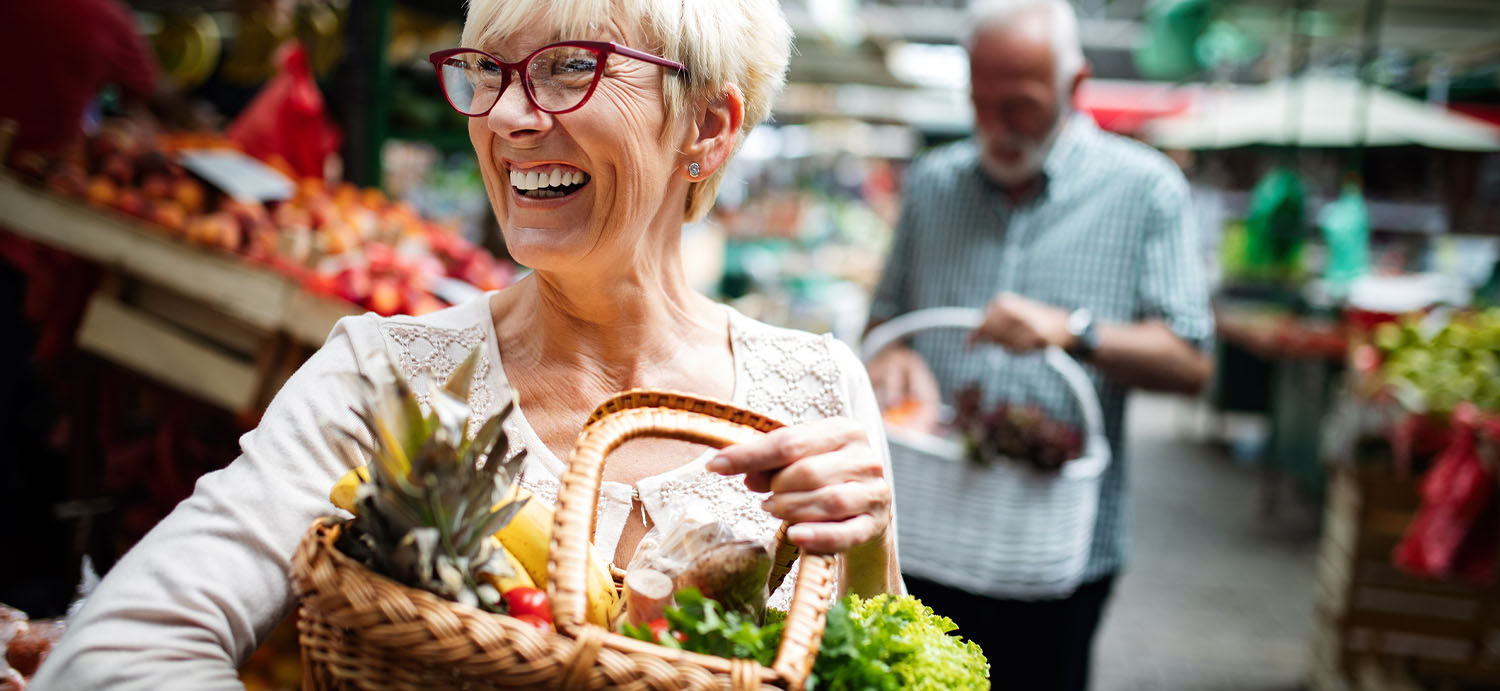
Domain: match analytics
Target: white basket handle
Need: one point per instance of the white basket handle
(969, 318)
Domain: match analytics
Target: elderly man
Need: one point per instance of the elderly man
(1066, 236)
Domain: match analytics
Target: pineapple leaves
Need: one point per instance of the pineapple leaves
(435, 496)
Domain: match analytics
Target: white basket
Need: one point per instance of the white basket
(1006, 530)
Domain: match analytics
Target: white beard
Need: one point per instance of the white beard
(1033, 155)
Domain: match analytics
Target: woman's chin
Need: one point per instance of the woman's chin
(543, 250)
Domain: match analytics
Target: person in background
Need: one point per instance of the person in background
(60, 54)
(600, 128)
(1065, 236)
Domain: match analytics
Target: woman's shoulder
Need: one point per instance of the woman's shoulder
(429, 345)
(794, 375)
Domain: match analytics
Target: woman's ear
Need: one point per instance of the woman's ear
(715, 131)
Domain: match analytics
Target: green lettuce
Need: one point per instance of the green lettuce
(884, 643)
(894, 642)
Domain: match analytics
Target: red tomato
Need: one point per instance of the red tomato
(660, 628)
(540, 623)
(520, 601)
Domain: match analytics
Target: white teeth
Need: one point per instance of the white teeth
(528, 181)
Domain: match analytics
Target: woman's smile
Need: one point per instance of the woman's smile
(546, 181)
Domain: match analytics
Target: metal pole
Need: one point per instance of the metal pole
(1370, 47)
(1301, 47)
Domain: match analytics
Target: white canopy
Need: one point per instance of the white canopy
(1325, 117)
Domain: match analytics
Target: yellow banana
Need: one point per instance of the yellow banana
(526, 537)
(343, 492)
(518, 578)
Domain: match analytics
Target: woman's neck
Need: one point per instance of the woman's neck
(624, 329)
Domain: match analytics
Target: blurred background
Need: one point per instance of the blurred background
(295, 162)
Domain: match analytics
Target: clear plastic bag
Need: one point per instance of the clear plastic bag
(697, 552)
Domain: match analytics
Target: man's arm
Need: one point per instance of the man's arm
(1146, 354)
(1150, 356)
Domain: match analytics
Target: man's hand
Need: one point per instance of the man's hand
(1022, 325)
(901, 378)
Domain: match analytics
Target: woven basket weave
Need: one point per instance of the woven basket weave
(360, 630)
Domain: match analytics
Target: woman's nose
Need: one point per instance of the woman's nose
(514, 115)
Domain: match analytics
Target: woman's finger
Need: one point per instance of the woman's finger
(832, 538)
(832, 503)
(852, 463)
(785, 446)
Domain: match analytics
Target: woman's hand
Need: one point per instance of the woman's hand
(825, 479)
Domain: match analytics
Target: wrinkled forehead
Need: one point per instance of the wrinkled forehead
(495, 25)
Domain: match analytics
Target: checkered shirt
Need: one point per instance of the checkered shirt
(1110, 231)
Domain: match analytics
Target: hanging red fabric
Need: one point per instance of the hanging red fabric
(1454, 532)
(286, 123)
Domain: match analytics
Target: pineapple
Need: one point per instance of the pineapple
(435, 498)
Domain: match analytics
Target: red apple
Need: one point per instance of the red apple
(353, 284)
(130, 201)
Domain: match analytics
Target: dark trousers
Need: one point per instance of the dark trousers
(1032, 646)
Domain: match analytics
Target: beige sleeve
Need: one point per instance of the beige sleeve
(865, 410)
(197, 595)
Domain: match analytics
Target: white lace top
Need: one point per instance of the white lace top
(201, 590)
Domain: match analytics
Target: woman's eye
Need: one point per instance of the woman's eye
(488, 66)
(575, 65)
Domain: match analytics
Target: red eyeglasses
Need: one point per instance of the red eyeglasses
(558, 78)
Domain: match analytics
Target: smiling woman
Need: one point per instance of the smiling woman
(625, 115)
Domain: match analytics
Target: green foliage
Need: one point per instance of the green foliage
(885, 643)
(1434, 369)
(895, 642)
(711, 630)
(426, 516)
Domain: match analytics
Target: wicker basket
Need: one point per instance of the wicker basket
(1006, 530)
(360, 630)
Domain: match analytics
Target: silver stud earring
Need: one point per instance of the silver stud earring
(693, 169)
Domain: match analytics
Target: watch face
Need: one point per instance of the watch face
(1081, 327)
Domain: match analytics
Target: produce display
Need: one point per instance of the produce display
(336, 240)
(1433, 369)
(1013, 430)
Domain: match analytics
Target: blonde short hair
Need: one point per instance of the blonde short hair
(746, 43)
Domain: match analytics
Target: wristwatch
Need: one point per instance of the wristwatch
(1084, 332)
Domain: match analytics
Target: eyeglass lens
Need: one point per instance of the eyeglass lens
(559, 79)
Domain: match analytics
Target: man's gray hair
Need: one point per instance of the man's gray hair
(1062, 24)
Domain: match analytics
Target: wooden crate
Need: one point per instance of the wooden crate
(1379, 628)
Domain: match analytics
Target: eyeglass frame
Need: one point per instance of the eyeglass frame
(601, 48)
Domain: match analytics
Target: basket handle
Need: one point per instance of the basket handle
(969, 318)
(645, 413)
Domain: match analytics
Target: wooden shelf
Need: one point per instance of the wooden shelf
(257, 296)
